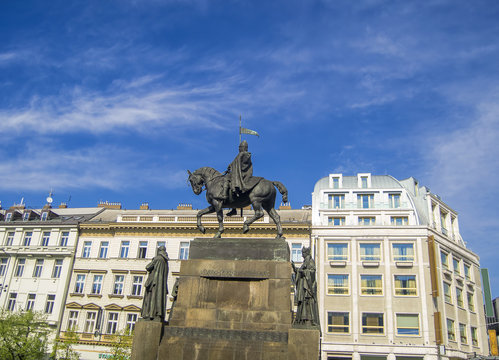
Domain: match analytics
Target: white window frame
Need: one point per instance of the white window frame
(80, 283)
(369, 326)
(137, 285)
(72, 320)
(408, 314)
(131, 320)
(331, 326)
(28, 236)
(124, 249)
(368, 288)
(21, 262)
(103, 249)
(296, 252)
(330, 289)
(112, 323)
(3, 265)
(38, 269)
(46, 238)
(56, 272)
(119, 284)
(10, 238)
(402, 289)
(30, 303)
(370, 257)
(90, 322)
(97, 284)
(332, 219)
(87, 248)
(49, 304)
(64, 238)
(183, 252)
(142, 249)
(397, 257)
(337, 257)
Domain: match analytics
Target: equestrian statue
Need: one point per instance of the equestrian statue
(237, 188)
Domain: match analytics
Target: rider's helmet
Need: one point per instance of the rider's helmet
(243, 146)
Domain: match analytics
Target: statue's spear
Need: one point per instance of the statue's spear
(245, 131)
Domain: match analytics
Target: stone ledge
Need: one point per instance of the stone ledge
(245, 335)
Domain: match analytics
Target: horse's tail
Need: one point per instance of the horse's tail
(282, 189)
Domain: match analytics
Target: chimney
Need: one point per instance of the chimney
(109, 205)
(184, 207)
(144, 206)
(63, 205)
(285, 206)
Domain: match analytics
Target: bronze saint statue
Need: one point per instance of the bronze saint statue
(156, 287)
(245, 190)
(307, 312)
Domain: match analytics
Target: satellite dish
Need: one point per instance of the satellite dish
(49, 200)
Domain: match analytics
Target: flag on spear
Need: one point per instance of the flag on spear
(248, 131)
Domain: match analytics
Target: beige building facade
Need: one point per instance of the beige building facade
(107, 283)
(395, 278)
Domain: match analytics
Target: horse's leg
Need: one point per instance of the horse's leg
(257, 206)
(208, 210)
(277, 220)
(217, 205)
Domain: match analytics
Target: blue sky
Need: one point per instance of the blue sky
(114, 100)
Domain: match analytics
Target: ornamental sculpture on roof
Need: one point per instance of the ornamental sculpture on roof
(237, 188)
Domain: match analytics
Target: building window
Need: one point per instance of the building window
(119, 280)
(137, 285)
(336, 221)
(8, 217)
(80, 283)
(474, 336)
(443, 222)
(161, 243)
(87, 246)
(447, 294)
(72, 320)
(455, 265)
(471, 303)
(407, 324)
(112, 322)
(90, 321)
(27, 238)
(363, 182)
(45, 215)
(373, 323)
(394, 200)
(451, 335)
(184, 251)
(11, 305)
(337, 284)
(370, 252)
(142, 250)
(131, 319)
(403, 252)
(20, 267)
(37, 272)
(444, 259)
(467, 272)
(64, 238)
(405, 285)
(26, 216)
(296, 253)
(399, 220)
(103, 249)
(338, 322)
(97, 284)
(459, 297)
(3, 266)
(367, 220)
(336, 201)
(45, 238)
(462, 333)
(125, 246)
(49, 306)
(31, 302)
(56, 273)
(337, 251)
(371, 285)
(10, 238)
(365, 201)
(336, 182)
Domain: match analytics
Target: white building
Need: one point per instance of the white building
(36, 258)
(107, 283)
(395, 278)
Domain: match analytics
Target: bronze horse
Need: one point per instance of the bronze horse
(262, 196)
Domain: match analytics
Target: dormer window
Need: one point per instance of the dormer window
(364, 180)
(8, 217)
(45, 215)
(335, 181)
(26, 216)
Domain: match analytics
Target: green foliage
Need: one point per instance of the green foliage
(121, 346)
(23, 335)
(63, 348)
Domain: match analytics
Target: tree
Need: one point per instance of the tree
(23, 335)
(63, 348)
(121, 346)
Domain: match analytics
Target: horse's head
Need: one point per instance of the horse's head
(196, 181)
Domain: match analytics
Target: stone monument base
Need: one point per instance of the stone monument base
(146, 338)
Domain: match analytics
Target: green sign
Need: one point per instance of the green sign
(489, 311)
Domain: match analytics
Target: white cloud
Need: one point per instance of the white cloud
(107, 167)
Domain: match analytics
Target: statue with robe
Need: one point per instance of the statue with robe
(156, 287)
(307, 312)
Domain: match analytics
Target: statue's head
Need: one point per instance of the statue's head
(196, 182)
(243, 146)
(162, 250)
(305, 251)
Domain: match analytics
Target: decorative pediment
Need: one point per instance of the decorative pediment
(74, 305)
(91, 306)
(131, 308)
(113, 307)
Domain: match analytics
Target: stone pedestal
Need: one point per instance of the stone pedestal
(147, 335)
(234, 303)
